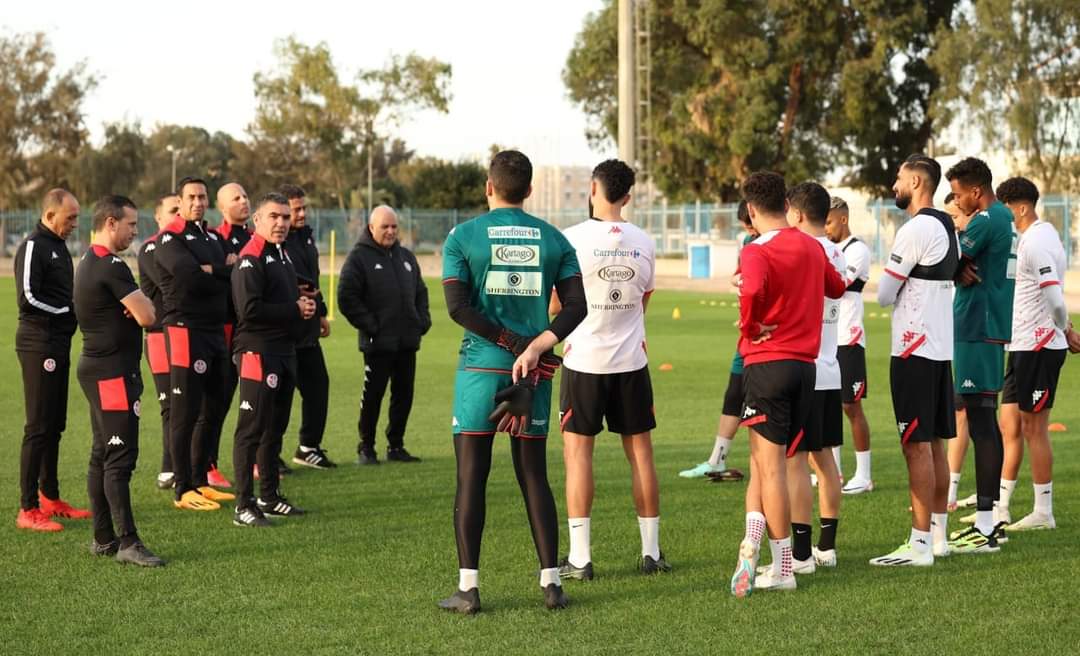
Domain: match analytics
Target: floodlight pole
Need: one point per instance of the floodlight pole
(627, 75)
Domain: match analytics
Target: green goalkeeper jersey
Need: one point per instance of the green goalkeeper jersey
(510, 260)
(983, 311)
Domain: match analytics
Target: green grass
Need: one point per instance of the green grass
(362, 572)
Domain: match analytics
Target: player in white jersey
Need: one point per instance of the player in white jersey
(918, 281)
(605, 368)
(808, 208)
(1040, 323)
(851, 347)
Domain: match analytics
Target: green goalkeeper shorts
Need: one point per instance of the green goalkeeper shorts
(474, 392)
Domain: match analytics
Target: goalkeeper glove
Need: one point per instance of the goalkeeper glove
(513, 342)
(513, 406)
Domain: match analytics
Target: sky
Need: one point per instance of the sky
(192, 63)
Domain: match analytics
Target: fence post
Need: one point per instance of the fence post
(333, 260)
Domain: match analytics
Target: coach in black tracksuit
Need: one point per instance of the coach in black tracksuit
(312, 381)
(194, 279)
(382, 294)
(270, 314)
(43, 273)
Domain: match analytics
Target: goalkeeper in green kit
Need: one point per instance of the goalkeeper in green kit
(498, 273)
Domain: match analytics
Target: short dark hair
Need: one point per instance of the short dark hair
(292, 192)
(743, 213)
(927, 166)
(185, 181)
(838, 204)
(110, 206)
(949, 197)
(1018, 189)
(161, 199)
(511, 174)
(765, 191)
(271, 197)
(616, 177)
(971, 172)
(811, 199)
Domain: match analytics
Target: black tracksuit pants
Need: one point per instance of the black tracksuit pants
(265, 402)
(399, 369)
(114, 420)
(313, 383)
(45, 390)
(211, 423)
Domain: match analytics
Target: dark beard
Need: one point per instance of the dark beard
(902, 202)
(590, 209)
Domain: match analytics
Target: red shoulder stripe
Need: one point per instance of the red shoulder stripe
(99, 250)
(176, 226)
(254, 247)
(224, 229)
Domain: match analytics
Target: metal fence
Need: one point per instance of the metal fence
(671, 226)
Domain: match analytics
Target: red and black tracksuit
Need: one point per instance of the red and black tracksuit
(43, 277)
(313, 380)
(109, 374)
(208, 429)
(195, 306)
(157, 357)
(268, 325)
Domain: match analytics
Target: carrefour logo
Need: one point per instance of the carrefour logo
(516, 255)
(616, 273)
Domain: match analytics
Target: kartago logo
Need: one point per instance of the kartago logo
(515, 254)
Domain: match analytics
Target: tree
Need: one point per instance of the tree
(741, 85)
(317, 127)
(41, 119)
(210, 156)
(1012, 67)
(432, 183)
(116, 168)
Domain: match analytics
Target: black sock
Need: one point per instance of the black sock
(103, 538)
(989, 453)
(800, 541)
(128, 540)
(827, 539)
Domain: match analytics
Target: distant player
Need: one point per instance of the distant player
(111, 308)
(605, 368)
(918, 281)
(498, 273)
(785, 279)
(823, 432)
(157, 357)
(43, 272)
(716, 466)
(1037, 351)
(270, 318)
(851, 331)
(983, 310)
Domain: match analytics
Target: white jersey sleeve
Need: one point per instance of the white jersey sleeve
(618, 268)
(828, 368)
(922, 318)
(851, 330)
(1040, 262)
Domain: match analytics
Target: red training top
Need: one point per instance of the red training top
(785, 279)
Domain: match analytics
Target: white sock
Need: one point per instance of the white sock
(984, 521)
(954, 486)
(836, 457)
(1044, 498)
(580, 548)
(719, 452)
(920, 540)
(164, 476)
(862, 465)
(468, 579)
(781, 556)
(549, 576)
(755, 527)
(650, 536)
(1005, 493)
(939, 523)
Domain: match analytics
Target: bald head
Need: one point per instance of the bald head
(383, 226)
(232, 202)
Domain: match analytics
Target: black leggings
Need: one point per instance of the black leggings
(473, 455)
(989, 451)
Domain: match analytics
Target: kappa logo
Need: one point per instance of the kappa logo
(749, 412)
(246, 264)
(377, 266)
(150, 248)
(968, 383)
(199, 366)
(270, 259)
(408, 267)
(615, 230)
(189, 237)
(49, 365)
(54, 255)
(161, 396)
(272, 381)
(177, 391)
(856, 387)
(244, 405)
(116, 260)
(1037, 395)
(137, 408)
(1039, 332)
(901, 426)
(235, 241)
(908, 337)
(166, 239)
(213, 235)
(454, 422)
(116, 441)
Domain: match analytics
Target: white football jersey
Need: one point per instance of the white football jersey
(922, 318)
(618, 269)
(1040, 261)
(828, 368)
(850, 330)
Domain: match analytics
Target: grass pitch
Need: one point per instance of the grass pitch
(362, 572)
